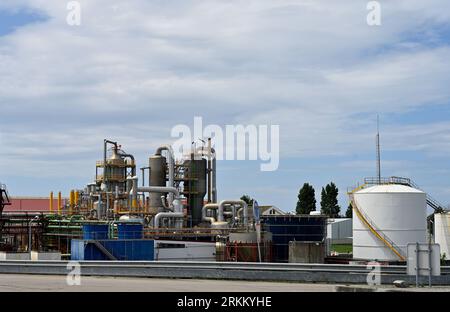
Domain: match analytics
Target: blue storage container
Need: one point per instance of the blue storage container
(122, 250)
(286, 229)
(130, 231)
(95, 231)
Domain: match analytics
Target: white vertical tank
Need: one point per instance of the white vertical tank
(397, 211)
(442, 232)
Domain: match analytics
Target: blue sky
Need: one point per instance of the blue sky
(11, 20)
(132, 71)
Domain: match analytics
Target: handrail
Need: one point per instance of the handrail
(431, 202)
(373, 229)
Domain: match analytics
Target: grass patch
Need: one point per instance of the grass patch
(343, 249)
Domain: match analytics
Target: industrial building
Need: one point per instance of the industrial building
(171, 211)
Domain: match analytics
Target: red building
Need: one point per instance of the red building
(30, 204)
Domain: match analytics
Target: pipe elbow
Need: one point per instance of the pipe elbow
(205, 209)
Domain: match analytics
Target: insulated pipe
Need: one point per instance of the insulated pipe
(165, 206)
(171, 160)
(133, 169)
(214, 181)
(161, 215)
(177, 205)
(105, 148)
(133, 191)
(178, 208)
(233, 202)
(159, 189)
(59, 203)
(210, 153)
(51, 202)
(205, 209)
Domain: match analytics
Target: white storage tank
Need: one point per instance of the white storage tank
(442, 232)
(398, 212)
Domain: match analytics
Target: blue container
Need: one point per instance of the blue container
(286, 229)
(95, 231)
(130, 231)
(122, 250)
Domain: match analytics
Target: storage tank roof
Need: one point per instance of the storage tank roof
(390, 188)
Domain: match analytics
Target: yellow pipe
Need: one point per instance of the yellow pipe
(71, 199)
(51, 202)
(59, 203)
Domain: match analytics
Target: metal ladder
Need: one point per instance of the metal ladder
(373, 228)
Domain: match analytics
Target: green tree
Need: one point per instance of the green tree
(247, 199)
(349, 212)
(329, 203)
(306, 200)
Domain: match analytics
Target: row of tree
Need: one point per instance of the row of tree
(329, 204)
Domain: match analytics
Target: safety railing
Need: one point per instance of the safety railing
(433, 203)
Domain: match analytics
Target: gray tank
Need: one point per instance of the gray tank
(195, 187)
(157, 178)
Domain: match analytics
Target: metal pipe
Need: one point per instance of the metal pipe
(171, 161)
(212, 166)
(176, 203)
(214, 179)
(105, 148)
(71, 201)
(172, 215)
(30, 245)
(51, 202)
(133, 168)
(242, 203)
(163, 201)
(204, 212)
(160, 189)
(59, 203)
(209, 172)
(133, 191)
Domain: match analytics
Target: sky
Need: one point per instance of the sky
(133, 70)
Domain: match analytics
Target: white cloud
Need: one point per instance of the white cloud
(134, 70)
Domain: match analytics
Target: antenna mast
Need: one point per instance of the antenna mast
(378, 151)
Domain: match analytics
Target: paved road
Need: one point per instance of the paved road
(43, 283)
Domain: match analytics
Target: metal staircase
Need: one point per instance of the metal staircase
(373, 228)
(4, 201)
(103, 249)
(4, 198)
(433, 203)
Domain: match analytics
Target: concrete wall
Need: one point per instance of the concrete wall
(306, 252)
(51, 256)
(14, 256)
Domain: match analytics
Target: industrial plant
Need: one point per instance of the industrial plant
(169, 211)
